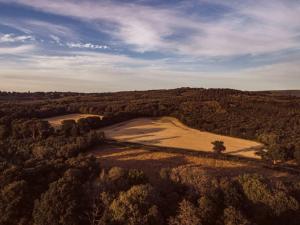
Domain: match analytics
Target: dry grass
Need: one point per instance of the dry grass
(57, 120)
(151, 162)
(169, 132)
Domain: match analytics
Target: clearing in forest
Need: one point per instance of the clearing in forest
(57, 120)
(170, 132)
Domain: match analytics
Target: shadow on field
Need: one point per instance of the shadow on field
(257, 149)
(140, 133)
(156, 140)
(137, 131)
(152, 162)
(139, 159)
(151, 159)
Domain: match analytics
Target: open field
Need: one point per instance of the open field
(151, 162)
(57, 120)
(169, 132)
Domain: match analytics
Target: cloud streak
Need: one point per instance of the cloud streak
(86, 45)
(250, 27)
(11, 38)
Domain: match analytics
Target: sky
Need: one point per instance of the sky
(115, 45)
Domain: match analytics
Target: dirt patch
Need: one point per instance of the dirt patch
(169, 132)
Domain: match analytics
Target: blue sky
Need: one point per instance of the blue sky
(113, 45)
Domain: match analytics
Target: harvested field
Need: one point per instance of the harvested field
(151, 162)
(169, 132)
(57, 120)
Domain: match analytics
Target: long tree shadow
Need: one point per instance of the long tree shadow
(136, 131)
(156, 140)
(140, 136)
(256, 149)
(117, 155)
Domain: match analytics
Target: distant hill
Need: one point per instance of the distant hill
(283, 92)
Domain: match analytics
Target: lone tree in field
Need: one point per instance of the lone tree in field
(218, 146)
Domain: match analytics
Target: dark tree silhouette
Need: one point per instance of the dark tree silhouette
(218, 146)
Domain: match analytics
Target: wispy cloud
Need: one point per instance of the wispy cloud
(46, 28)
(86, 45)
(10, 38)
(55, 38)
(250, 27)
(40, 28)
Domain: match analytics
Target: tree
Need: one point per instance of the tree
(233, 216)
(15, 203)
(218, 147)
(209, 207)
(3, 131)
(272, 201)
(83, 125)
(278, 153)
(187, 215)
(297, 154)
(64, 203)
(136, 206)
(69, 128)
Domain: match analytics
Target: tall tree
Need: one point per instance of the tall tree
(218, 147)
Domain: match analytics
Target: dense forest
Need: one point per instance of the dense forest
(47, 177)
